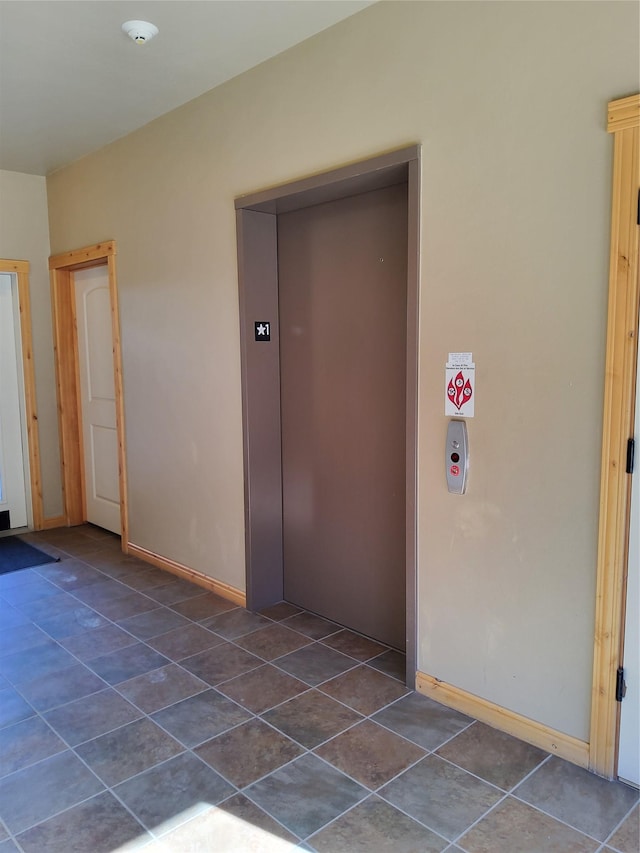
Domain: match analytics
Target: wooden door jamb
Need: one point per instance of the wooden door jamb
(65, 341)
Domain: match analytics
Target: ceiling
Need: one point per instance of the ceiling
(71, 81)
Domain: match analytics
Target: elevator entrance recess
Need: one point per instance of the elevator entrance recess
(277, 488)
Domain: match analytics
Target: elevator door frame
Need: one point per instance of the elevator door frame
(256, 221)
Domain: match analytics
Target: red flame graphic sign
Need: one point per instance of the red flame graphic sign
(459, 391)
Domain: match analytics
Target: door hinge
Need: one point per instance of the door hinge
(631, 452)
(638, 207)
(621, 687)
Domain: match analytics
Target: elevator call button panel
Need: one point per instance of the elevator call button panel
(457, 457)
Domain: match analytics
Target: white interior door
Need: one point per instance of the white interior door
(629, 744)
(13, 497)
(97, 386)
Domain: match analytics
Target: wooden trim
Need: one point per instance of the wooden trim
(14, 266)
(623, 114)
(224, 590)
(557, 743)
(54, 521)
(31, 408)
(117, 369)
(62, 268)
(21, 270)
(621, 355)
(65, 347)
(88, 256)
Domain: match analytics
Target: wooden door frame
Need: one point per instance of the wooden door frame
(65, 341)
(618, 420)
(21, 270)
(256, 217)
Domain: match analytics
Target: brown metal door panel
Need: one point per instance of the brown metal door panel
(342, 269)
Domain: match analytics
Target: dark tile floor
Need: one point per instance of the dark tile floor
(138, 710)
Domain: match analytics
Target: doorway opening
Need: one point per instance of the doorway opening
(84, 438)
(263, 219)
(20, 486)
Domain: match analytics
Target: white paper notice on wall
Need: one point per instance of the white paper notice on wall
(459, 385)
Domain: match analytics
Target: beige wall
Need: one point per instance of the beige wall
(509, 102)
(24, 236)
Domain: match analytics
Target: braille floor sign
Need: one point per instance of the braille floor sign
(460, 385)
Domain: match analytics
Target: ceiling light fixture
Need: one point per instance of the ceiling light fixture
(140, 31)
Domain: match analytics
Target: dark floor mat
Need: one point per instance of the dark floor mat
(16, 554)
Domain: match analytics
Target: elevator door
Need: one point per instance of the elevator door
(342, 271)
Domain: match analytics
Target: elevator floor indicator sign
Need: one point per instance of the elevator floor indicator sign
(263, 330)
(459, 393)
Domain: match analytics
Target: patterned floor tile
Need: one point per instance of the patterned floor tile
(315, 663)
(25, 743)
(280, 611)
(100, 642)
(200, 717)
(584, 801)
(173, 591)
(422, 720)
(61, 687)
(370, 754)
(100, 824)
(354, 645)
(165, 796)
(221, 663)
(262, 688)
(272, 642)
(237, 825)
(513, 827)
(126, 663)
(235, 623)
(92, 716)
(364, 689)
(78, 620)
(70, 574)
(129, 750)
(30, 796)
(311, 625)
(392, 663)
(626, 838)
(17, 638)
(494, 756)
(202, 606)
(248, 752)
(443, 797)
(305, 795)
(184, 642)
(374, 826)
(34, 663)
(122, 608)
(13, 707)
(311, 718)
(152, 623)
(161, 687)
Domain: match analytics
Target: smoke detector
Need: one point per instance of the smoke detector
(140, 31)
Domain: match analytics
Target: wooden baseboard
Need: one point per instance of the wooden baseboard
(54, 521)
(565, 746)
(224, 590)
